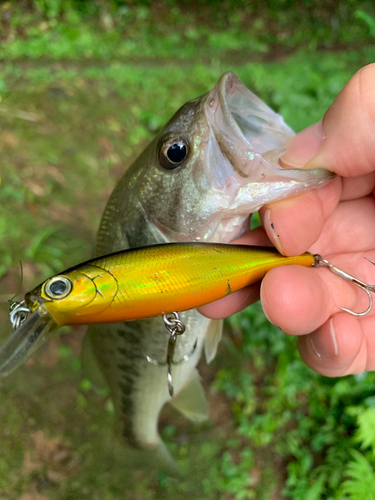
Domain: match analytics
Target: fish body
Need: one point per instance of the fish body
(213, 164)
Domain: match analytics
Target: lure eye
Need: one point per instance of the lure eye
(58, 287)
(173, 153)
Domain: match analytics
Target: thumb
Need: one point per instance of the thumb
(344, 142)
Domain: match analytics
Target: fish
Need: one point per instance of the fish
(213, 164)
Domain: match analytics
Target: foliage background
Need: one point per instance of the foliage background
(83, 87)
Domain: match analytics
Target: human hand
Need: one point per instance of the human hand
(338, 222)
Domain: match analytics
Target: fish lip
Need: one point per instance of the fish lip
(33, 332)
(225, 85)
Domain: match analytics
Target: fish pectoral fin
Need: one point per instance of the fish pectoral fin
(90, 364)
(191, 400)
(155, 457)
(212, 339)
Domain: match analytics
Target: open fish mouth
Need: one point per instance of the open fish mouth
(31, 334)
(251, 138)
(248, 118)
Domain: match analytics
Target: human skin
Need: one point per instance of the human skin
(336, 221)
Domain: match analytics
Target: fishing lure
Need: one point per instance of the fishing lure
(139, 283)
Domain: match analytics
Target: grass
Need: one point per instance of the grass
(79, 102)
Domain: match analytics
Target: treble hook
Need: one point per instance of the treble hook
(18, 311)
(175, 327)
(320, 262)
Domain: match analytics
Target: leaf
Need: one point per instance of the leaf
(316, 490)
(366, 427)
(361, 484)
(367, 18)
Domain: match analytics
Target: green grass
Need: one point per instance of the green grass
(79, 102)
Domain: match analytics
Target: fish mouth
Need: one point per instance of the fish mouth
(32, 333)
(247, 118)
(252, 136)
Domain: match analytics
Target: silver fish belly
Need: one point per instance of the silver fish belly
(213, 164)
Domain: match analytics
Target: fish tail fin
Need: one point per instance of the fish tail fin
(156, 457)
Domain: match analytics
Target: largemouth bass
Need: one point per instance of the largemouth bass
(213, 164)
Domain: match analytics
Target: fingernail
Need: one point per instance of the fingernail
(325, 346)
(303, 147)
(271, 230)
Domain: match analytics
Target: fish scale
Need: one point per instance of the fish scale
(127, 370)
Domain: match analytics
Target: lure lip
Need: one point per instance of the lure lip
(33, 332)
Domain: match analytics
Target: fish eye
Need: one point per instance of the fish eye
(58, 287)
(173, 153)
